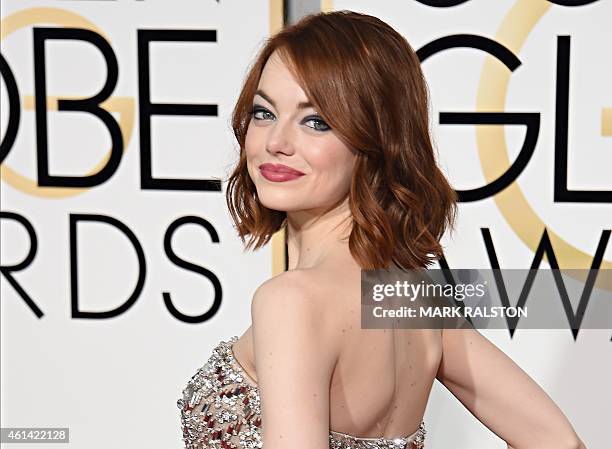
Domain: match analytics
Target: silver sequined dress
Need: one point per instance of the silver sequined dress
(220, 408)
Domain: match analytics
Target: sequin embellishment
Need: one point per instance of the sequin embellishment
(220, 409)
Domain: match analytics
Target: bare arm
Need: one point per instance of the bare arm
(501, 395)
(294, 358)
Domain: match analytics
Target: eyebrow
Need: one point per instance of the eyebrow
(301, 105)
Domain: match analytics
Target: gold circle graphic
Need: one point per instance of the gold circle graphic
(123, 105)
(492, 93)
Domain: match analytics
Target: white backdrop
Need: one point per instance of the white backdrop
(114, 381)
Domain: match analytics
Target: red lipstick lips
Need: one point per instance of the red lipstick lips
(279, 172)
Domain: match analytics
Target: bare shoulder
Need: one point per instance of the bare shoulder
(293, 302)
(289, 285)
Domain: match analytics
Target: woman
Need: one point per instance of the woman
(332, 123)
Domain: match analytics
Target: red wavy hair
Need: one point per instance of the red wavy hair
(365, 80)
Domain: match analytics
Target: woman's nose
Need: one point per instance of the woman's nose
(280, 138)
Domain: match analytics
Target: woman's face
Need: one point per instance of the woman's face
(294, 158)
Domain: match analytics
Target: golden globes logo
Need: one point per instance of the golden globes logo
(73, 27)
(504, 51)
(76, 28)
(492, 149)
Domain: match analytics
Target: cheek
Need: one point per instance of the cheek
(251, 149)
(253, 141)
(336, 162)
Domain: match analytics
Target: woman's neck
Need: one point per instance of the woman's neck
(314, 235)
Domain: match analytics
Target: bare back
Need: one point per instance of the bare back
(383, 377)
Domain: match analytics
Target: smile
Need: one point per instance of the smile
(279, 172)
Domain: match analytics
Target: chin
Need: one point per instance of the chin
(282, 199)
(282, 204)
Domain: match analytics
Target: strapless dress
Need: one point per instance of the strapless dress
(220, 408)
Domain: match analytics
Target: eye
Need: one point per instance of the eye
(319, 123)
(262, 113)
